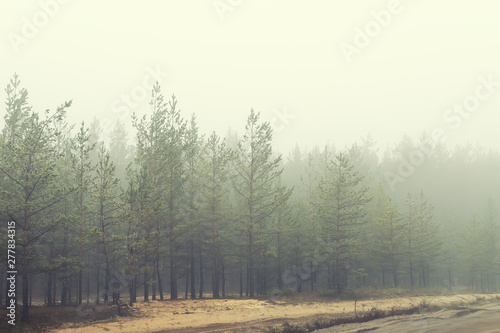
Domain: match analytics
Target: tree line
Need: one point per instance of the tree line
(181, 214)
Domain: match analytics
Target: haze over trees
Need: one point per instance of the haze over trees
(182, 214)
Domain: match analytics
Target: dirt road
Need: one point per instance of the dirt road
(476, 319)
(250, 315)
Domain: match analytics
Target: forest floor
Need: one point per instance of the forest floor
(241, 315)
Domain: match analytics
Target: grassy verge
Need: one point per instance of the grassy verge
(374, 313)
(320, 323)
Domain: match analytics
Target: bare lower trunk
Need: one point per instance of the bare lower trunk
(201, 274)
(250, 264)
(25, 286)
(80, 287)
(146, 286)
(50, 302)
(98, 278)
(187, 281)
(192, 266)
(158, 276)
(311, 272)
(173, 272)
(241, 280)
(88, 283)
(25, 275)
(223, 281)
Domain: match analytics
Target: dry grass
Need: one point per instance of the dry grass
(302, 312)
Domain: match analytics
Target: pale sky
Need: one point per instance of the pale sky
(224, 57)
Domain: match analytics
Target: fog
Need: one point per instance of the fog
(244, 149)
(221, 60)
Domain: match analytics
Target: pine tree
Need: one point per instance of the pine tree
(410, 231)
(28, 164)
(472, 251)
(194, 235)
(161, 150)
(389, 236)
(341, 208)
(281, 230)
(82, 166)
(256, 182)
(298, 245)
(427, 242)
(107, 200)
(175, 179)
(491, 251)
(120, 151)
(139, 211)
(214, 184)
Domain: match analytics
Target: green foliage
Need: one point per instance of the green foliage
(180, 205)
(389, 235)
(341, 209)
(31, 161)
(257, 182)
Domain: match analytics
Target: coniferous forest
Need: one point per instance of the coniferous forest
(170, 212)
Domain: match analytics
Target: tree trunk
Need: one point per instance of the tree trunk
(330, 276)
(88, 282)
(70, 285)
(337, 253)
(173, 272)
(158, 276)
(201, 274)
(223, 281)
(50, 302)
(411, 274)
(80, 288)
(107, 277)
(338, 277)
(311, 273)
(153, 285)
(132, 290)
(215, 267)
(299, 283)
(25, 274)
(146, 286)
(1, 286)
(264, 277)
(80, 254)
(241, 280)
(63, 292)
(215, 279)
(247, 280)
(280, 280)
(54, 289)
(173, 264)
(192, 266)
(98, 278)
(250, 263)
(187, 280)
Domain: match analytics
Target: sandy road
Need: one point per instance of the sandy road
(251, 315)
(474, 319)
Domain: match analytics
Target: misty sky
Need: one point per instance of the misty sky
(286, 59)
